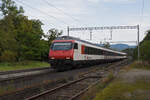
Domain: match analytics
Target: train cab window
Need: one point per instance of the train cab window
(61, 46)
(75, 45)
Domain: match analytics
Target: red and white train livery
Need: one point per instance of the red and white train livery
(72, 51)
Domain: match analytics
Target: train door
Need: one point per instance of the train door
(76, 51)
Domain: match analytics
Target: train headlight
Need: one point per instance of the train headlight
(52, 58)
(67, 57)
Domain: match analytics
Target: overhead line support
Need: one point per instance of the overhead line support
(110, 28)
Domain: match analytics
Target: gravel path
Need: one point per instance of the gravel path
(135, 74)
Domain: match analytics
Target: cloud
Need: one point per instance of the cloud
(68, 9)
(115, 1)
(112, 1)
(90, 12)
(144, 25)
(94, 1)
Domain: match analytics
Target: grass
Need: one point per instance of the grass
(125, 91)
(145, 65)
(123, 88)
(6, 89)
(141, 65)
(91, 93)
(22, 65)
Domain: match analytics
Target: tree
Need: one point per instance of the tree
(8, 7)
(29, 35)
(147, 36)
(7, 39)
(106, 45)
(52, 34)
(20, 38)
(144, 48)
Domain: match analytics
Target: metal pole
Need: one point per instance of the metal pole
(111, 34)
(138, 35)
(68, 30)
(90, 34)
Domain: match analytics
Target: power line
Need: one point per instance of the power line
(61, 10)
(40, 19)
(142, 12)
(41, 11)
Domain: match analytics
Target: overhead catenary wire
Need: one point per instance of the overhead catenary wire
(28, 14)
(41, 11)
(51, 5)
(36, 17)
(142, 12)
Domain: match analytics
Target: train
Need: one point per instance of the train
(68, 52)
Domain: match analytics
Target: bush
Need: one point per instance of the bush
(145, 50)
(141, 64)
(8, 56)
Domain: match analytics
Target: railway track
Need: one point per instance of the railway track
(24, 86)
(67, 91)
(72, 90)
(33, 84)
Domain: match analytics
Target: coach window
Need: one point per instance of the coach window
(86, 51)
(75, 46)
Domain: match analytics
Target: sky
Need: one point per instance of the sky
(91, 13)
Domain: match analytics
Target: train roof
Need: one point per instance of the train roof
(77, 39)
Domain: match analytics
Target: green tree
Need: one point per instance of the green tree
(29, 35)
(144, 48)
(7, 39)
(44, 48)
(52, 34)
(8, 7)
(21, 38)
(106, 45)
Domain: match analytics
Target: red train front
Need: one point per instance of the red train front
(61, 53)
